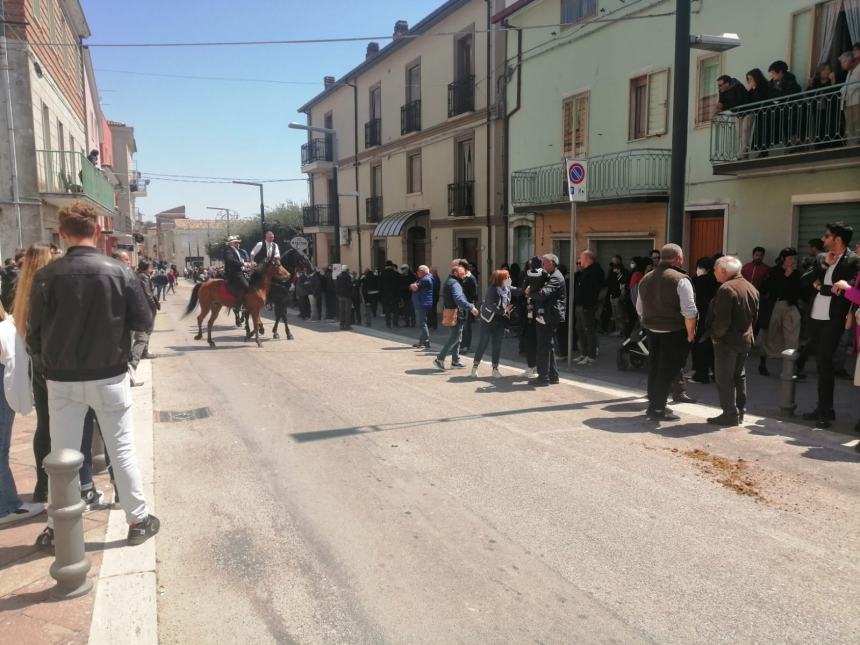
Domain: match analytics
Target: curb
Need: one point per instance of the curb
(125, 609)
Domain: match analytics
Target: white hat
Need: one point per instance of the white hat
(233, 238)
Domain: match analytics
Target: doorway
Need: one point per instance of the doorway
(379, 254)
(706, 234)
(416, 246)
(467, 249)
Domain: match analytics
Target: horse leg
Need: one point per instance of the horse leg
(275, 334)
(204, 309)
(257, 325)
(216, 309)
(286, 324)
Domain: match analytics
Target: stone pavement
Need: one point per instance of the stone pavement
(763, 391)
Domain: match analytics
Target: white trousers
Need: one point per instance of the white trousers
(111, 400)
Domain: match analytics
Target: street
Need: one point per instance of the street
(337, 488)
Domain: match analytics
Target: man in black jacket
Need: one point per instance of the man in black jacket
(587, 294)
(84, 307)
(552, 298)
(733, 94)
(470, 290)
(389, 291)
(828, 314)
(140, 339)
(343, 287)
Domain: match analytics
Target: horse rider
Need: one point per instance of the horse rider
(234, 269)
(266, 250)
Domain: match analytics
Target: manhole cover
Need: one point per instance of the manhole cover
(175, 416)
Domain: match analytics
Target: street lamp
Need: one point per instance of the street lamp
(262, 203)
(225, 213)
(680, 109)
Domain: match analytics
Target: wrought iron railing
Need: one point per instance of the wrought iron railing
(461, 199)
(628, 173)
(319, 215)
(461, 96)
(802, 122)
(62, 171)
(316, 150)
(410, 117)
(374, 209)
(373, 133)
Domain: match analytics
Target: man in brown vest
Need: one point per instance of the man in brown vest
(667, 307)
(729, 325)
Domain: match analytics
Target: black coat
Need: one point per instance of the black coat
(847, 268)
(470, 288)
(553, 298)
(735, 96)
(787, 86)
(233, 264)
(343, 285)
(591, 281)
(389, 285)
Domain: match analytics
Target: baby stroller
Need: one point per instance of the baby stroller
(634, 350)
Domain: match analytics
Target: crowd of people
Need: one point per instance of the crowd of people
(768, 117)
(77, 324)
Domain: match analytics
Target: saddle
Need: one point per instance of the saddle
(225, 295)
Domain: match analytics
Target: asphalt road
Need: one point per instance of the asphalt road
(343, 491)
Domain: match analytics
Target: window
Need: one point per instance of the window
(576, 10)
(376, 102)
(376, 180)
(413, 83)
(465, 161)
(819, 35)
(522, 245)
(649, 105)
(707, 94)
(413, 173)
(561, 249)
(575, 125)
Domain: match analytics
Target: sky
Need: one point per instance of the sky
(234, 129)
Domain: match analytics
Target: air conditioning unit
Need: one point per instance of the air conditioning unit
(344, 236)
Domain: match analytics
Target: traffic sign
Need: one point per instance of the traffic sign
(577, 179)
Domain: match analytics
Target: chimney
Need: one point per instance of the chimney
(372, 51)
(400, 29)
(328, 81)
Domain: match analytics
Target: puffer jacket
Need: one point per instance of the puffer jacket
(423, 298)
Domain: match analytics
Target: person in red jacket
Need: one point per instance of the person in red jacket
(756, 270)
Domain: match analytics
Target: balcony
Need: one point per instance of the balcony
(461, 199)
(410, 117)
(138, 184)
(641, 173)
(804, 129)
(65, 177)
(317, 155)
(319, 216)
(373, 133)
(374, 209)
(461, 96)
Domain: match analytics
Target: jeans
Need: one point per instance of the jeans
(824, 337)
(467, 331)
(42, 436)
(139, 347)
(110, 399)
(452, 345)
(161, 292)
(9, 502)
(493, 331)
(421, 318)
(344, 311)
(731, 378)
(545, 352)
(586, 330)
(316, 306)
(668, 354)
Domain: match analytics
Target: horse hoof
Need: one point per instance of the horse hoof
(198, 337)
(259, 344)
(276, 335)
(212, 344)
(289, 337)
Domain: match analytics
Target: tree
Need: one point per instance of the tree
(284, 220)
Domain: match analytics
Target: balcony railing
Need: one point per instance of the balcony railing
(410, 117)
(461, 96)
(319, 215)
(809, 121)
(374, 209)
(373, 133)
(71, 172)
(461, 199)
(629, 173)
(316, 150)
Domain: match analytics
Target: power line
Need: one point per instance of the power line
(207, 78)
(191, 179)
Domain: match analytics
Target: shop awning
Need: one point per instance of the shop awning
(392, 225)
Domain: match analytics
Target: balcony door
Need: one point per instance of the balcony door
(376, 180)
(376, 102)
(413, 83)
(463, 57)
(465, 161)
(328, 122)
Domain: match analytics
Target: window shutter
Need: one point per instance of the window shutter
(581, 138)
(658, 102)
(567, 127)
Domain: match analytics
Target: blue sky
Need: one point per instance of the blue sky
(221, 128)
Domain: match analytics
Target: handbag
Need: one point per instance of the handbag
(449, 317)
(488, 313)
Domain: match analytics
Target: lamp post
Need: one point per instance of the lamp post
(225, 213)
(680, 109)
(262, 203)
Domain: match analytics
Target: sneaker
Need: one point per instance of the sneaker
(529, 372)
(582, 360)
(45, 540)
(496, 373)
(587, 361)
(458, 364)
(539, 320)
(27, 510)
(438, 363)
(132, 378)
(140, 532)
(417, 345)
(93, 499)
(474, 371)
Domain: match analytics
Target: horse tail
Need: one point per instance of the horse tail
(192, 304)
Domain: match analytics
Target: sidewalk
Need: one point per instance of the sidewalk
(28, 613)
(763, 391)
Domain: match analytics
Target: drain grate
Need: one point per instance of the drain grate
(176, 416)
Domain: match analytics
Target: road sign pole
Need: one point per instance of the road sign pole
(571, 313)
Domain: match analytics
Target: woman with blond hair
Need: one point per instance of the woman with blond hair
(35, 258)
(494, 312)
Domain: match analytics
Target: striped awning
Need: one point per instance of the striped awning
(392, 225)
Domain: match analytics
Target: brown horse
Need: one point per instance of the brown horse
(213, 295)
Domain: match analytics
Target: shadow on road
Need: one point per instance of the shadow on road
(628, 425)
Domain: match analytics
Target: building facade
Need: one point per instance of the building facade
(187, 241)
(406, 166)
(600, 88)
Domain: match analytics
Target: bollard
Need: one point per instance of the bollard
(71, 563)
(99, 459)
(787, 404)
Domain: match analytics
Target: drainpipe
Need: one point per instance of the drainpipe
(354, 87)
(506, 179)
(489, 186)
(10, 116)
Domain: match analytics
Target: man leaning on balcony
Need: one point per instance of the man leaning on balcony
(851, 99)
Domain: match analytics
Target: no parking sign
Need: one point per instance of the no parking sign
(577, 179)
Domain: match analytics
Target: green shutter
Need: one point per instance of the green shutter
(814, 217)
